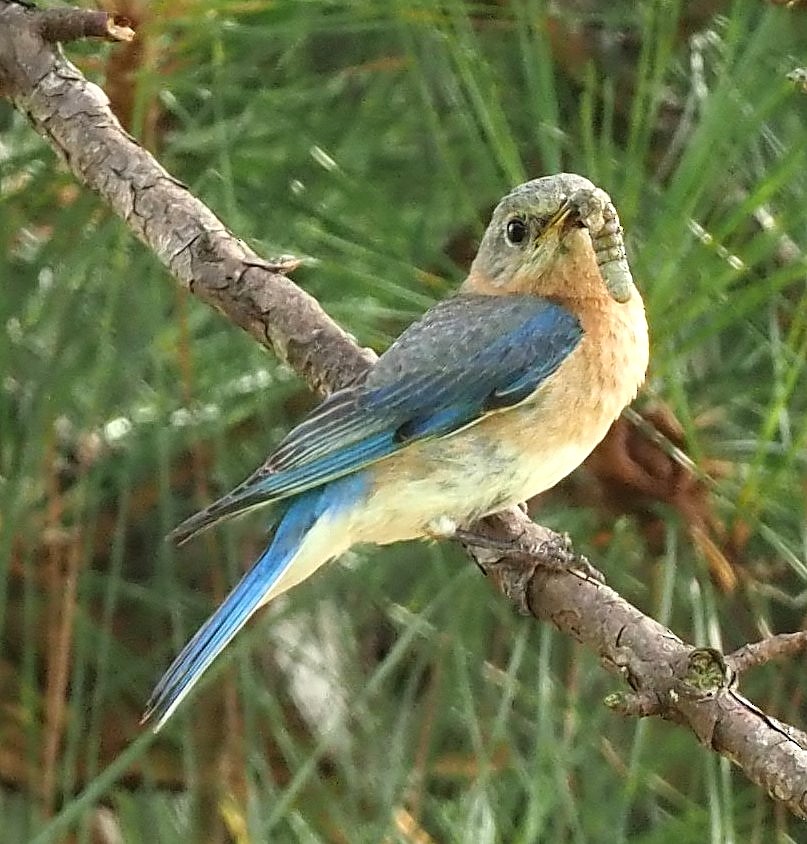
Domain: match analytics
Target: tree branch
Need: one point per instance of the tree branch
(195, 246)
(783, 646)
(71, 24)
(543, 576)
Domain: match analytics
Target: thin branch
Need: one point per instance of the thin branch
(544, 577)
(72, 24)
(774, 648)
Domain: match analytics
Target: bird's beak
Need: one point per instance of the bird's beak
(545, 249)
(560, 215)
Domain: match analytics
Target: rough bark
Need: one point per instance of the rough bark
(195, 246)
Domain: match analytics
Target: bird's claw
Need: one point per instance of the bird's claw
(554, 554)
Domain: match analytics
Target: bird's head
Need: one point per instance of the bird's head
(559, 237)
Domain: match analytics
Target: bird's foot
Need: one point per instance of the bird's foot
(557, 553)
(489, 543)
(554, 553)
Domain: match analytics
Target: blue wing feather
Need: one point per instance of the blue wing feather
(467, 356)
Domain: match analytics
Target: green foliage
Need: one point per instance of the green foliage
(373, 138)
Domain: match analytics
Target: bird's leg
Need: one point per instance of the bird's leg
(479, 540)
(489, 543)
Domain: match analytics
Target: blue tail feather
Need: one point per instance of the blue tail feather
(216, 633)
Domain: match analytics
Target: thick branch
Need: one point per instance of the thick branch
(667, 677)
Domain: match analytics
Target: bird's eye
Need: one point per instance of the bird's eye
(516, 231)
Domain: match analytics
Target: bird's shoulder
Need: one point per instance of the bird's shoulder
(457, 330)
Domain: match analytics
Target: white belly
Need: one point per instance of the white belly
(469, 476)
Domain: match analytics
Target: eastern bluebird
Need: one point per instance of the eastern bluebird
(492, 397)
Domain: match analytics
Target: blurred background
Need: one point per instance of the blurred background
(396, 697)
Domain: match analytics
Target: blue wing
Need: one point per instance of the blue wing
(466, 357)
